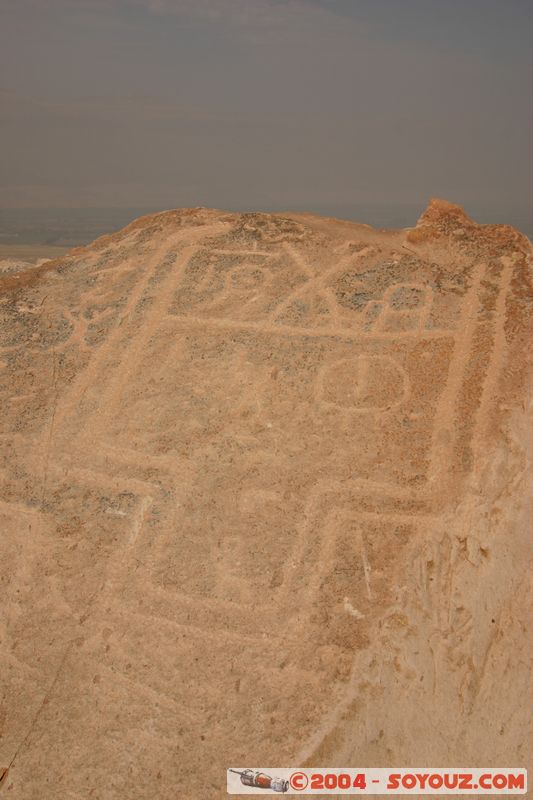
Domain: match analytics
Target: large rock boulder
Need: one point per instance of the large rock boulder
(264, 501)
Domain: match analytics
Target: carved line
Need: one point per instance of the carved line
(318, 333)
(97, 363)
(492, 374)
(362, 364)
(315, 283)
(387, 310)
(441, 449)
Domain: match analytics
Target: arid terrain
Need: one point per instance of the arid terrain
(264, 500)
(29, 253)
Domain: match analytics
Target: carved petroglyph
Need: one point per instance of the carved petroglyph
(364, 383)
(234, 467)
(405, 306)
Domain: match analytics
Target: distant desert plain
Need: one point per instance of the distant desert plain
(20, 256)
(265, 498)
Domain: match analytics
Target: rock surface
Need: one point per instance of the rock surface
(264, 501)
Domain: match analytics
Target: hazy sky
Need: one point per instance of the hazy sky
(265, 103)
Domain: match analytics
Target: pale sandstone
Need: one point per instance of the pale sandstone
(264, 501)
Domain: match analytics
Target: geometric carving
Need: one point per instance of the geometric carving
(364, 383)
(215, 476)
